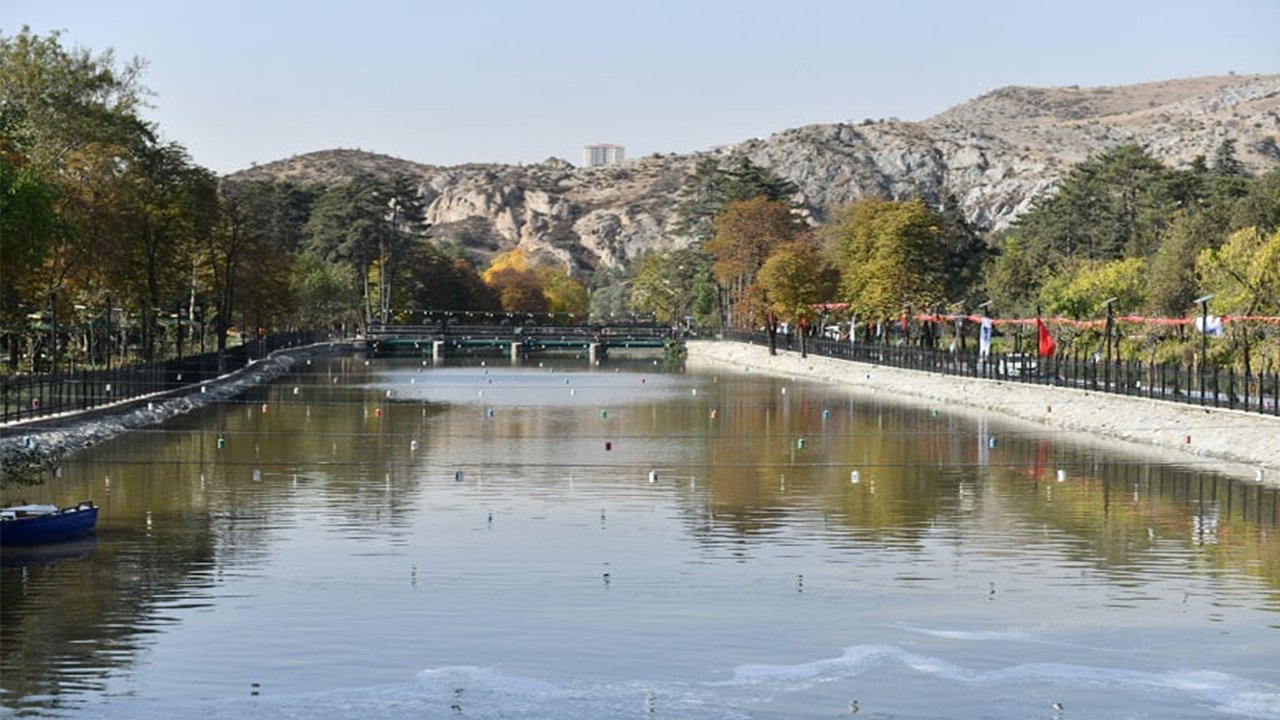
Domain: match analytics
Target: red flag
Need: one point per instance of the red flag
(1046, 340)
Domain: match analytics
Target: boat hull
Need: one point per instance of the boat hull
(67, 524)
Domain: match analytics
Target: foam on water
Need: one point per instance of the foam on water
(752, 692)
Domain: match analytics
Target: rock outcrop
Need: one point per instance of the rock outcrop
(993, 154)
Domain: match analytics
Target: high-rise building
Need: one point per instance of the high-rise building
(603, 154)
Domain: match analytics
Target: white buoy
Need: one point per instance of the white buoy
(295, 390)
(695, 391)
(855, 477)
(1062, 476)
(257, 475)
(413, 445)
(653, 476)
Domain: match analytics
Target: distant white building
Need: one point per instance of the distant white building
(604, 154)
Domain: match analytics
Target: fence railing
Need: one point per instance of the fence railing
(36, 396)
(1210, 387)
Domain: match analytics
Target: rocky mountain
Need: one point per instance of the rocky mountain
(993, 154)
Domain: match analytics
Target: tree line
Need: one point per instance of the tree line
(113, 238)
(110, 230)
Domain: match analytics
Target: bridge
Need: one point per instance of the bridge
(442, 339)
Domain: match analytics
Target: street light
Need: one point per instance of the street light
(1106, 377)
(1203, 302)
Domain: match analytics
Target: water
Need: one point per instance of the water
(487, 542)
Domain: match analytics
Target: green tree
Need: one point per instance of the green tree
(1081, 294)
(890, 255)
(1244, 277)
(675, 285)
(1171, 280)
(793, 279)
(327, 293)
(710, 187)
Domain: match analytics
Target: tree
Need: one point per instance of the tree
(1081, 294)
(1171, 281)
(709, 188)
(1244, 277)
(326, 293)
(675, 285)
(518, 291)
(794, 279)
(890, 254)
(348, 225)
(746, 233)
(564, 294)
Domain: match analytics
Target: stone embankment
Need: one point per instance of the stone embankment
(1241, 443)
(27, 449)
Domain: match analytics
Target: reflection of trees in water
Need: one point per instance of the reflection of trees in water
(918, 469)
(67, 625)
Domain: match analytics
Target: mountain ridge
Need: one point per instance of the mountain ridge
(993, 154)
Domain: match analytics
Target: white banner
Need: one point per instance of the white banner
(984, 338)
(1212, 325)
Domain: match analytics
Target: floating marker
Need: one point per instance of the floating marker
(826, 414)
(335, 381)
(390, 393)
(653, 476)
(108, 387)
(264, 407)
(1187, 440)
(457, 475)
(604, 413)
(203, 389)
(573, 391)
(377, 412)
(222, 442)
(295, 390)
(1062, 476)
(799, 443)
(1048, 408)
(566, 381)
(867, 376)
(308, 361)
(991, 442)
(489, 412)
(366, 363)
(695, 391)
(413, 446)
(933, 412)
(641, 381)
(784, 391)
(608, 446)
(855, 477)
(713, 414)
(257, 475)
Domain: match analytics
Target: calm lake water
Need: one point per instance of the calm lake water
(559, 541)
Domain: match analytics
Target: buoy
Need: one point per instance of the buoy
(608, 446)
(1048, 408)
(826, 414)
(222, 442)
(653, 476)
(713, 414)
(335, 381)
(457, 475)
(933, 412)
(991, 442)
(784, 391)
(1062, 476)
(295, 390)
(377, 412)
(604, 413)
(489, 412)
(867, 376)
(390, 393)
(573, 391)
(855, 477)
(264, 408)
(203, 389)
(257, 475)
(413, 446)
(800, 443)
(1187, 440)
(641, 381)
(695, 391)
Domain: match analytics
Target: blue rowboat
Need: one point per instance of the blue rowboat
(43, 524)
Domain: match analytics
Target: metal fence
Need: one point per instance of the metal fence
(36, 396)
(1210, 387)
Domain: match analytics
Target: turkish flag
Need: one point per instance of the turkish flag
(1046, 340)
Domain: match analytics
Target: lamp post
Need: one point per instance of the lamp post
(1203, 302)
(1106, 376)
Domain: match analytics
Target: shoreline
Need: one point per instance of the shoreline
(1245, 444)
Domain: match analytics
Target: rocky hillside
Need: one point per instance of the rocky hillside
(994, 154)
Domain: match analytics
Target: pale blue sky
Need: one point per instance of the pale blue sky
(241, 81)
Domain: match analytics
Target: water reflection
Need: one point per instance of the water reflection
(295, 511)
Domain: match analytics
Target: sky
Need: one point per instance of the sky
(239, 82)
